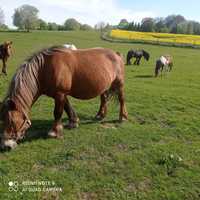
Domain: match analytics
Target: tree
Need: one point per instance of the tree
(160, 25)
(86, 27)
(190, 28)
(26, 17)
(1, 17)
(196, 26)
(147, 25)
(52, 26)
(172, 22)
(42, 25)
(123, 24)
(72, 24)
(3, 27)
(100, 26)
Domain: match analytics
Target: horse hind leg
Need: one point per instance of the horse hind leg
(118, 88)
(103, 106)
(57, 127)
(123, 115)
(73, 118)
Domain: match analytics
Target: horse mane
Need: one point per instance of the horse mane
(25, 85)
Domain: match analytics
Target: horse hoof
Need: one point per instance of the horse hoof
(99, 117)
(53, 134)
(56, 132)
(72, 125)
(123, 119)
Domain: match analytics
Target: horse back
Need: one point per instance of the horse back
(84, 73)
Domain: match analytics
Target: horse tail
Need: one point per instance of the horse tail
(130, 54)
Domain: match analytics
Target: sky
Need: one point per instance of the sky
(109, 11)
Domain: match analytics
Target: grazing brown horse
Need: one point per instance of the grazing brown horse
(5, 52)
(58, 72)
(163, 63)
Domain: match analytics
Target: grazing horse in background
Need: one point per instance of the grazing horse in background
(58, 73)
(138, 54)
(5, 52)
(163, 63)
(70, 46)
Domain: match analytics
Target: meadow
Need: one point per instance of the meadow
(153, 156)
(162, 38)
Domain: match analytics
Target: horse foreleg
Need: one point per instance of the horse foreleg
(103, 108)
(161, 70)
(4, 67)
(123, 115)
(135, 63)
(73, 118)
(138, 61)
(57, 128)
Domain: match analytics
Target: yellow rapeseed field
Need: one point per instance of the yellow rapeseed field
(156, 37)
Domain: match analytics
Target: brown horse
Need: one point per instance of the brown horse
(5, 52)
(58, 72)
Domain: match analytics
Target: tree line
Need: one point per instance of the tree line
(171, 24)
(26, 18)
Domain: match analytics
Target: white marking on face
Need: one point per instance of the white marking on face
(52, 134)
(10, 143)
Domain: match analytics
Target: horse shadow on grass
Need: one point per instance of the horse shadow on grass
(144, 76)
(40, 128)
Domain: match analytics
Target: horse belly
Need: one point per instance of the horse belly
(90, 87)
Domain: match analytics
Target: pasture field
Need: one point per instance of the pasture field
(165, 38)
(153, 156)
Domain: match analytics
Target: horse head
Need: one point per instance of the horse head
(146, 55)
(15, 123)
(8, 47)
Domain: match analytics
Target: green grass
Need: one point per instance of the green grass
(153, 156)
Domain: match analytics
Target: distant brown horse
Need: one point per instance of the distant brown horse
(5, 52)
(58, 72)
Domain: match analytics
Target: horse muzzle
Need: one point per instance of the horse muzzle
(8, 144)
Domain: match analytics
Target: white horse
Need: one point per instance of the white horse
(70, 46)
(163, 63)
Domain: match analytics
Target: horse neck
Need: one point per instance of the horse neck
(25, 87)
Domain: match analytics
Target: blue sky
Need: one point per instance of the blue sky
(111, 11)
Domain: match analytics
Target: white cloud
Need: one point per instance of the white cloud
(92, 11)
(86, 11)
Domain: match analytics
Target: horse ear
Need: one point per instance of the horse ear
(11, 104)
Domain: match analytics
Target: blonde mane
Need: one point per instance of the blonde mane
(24, 88)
